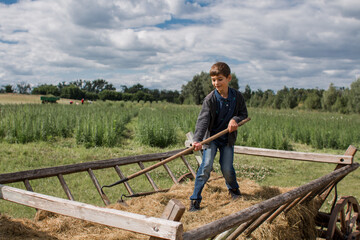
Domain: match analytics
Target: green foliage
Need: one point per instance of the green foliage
(163, 124)
(91, 125)
(329, 97)
(313, 101)
(72, 92)
(354, 99)
(9, 88)
(277, 129)
(46, 89)
(159, 124)
(110, 95)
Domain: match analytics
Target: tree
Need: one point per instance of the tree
(110, 95)
(256, 99)
(95, 86)
(134, 89)
(354, 96)
(46, 89)
(9, 89)
(247, 93)
(313, 101)
(268, 98)
(234, 83)
(91, 96)
(23, 88)
(72, 92)
(329, 97)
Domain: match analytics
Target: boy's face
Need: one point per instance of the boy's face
(220, 82)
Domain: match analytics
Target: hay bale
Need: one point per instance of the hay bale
(297, 224)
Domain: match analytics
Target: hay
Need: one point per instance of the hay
(297, 224)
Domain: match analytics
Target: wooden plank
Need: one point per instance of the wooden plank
(29, 187)
(80, 167)
(111, 217)
(255, 211)
(171, 174)
(122, 176)
(189, 166)
(302, 156)
(98, 187)
(151, 181)
(65, 187)
(173, 211)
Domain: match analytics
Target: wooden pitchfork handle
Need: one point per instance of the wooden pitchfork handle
(186, 151)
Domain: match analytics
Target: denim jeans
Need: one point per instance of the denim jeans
(227, 168)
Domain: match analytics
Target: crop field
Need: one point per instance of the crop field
(162, 125)
(43, 135)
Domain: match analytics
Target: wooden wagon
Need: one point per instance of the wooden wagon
(49, 99)
(343, 222)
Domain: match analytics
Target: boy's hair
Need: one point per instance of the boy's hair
(220, 68)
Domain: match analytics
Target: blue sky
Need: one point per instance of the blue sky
(162, 44)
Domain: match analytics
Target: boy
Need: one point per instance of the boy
(223, 108)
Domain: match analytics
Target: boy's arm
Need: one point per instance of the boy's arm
(202, 124)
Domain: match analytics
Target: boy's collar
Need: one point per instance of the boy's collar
(218, 95)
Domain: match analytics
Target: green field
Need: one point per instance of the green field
(43, 135)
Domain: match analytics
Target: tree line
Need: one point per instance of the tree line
(98, 89)
(334, 99)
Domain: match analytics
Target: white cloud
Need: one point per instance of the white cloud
(163, 44)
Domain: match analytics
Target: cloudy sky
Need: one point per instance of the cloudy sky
(162, 44)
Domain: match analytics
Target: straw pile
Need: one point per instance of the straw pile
(296, 224)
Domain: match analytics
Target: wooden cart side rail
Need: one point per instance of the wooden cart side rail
(151, 226)
(302, 156)
(79, 167)
(255, 211)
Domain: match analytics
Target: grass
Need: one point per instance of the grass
(278, 126)
(266, 171)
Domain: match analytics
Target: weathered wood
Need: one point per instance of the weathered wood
(65, 187)
(296, 201)
(225, 223)
(111, 217)
(80, 167)
(171, 174)
(188, 166)
(151, 181)
(302, 156)
(240, 229)
(173, 211)
(350, 151)
(98, 187)
(122, 176)
(258, 222)
(27, 185)
(278, 211)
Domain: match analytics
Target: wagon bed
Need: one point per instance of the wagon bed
(341, 223)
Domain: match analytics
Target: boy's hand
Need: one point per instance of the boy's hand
(197, 146)
(232, 125)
